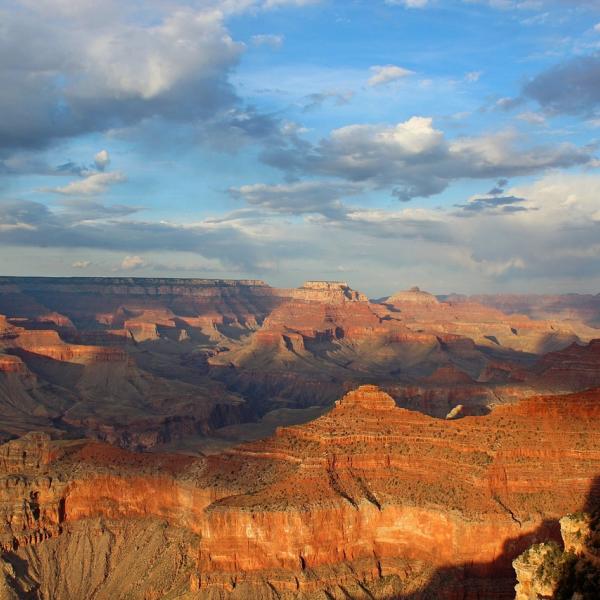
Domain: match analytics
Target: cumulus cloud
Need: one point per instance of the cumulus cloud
(414, 159)
(90, 69)
(102, 160)
(383, 74)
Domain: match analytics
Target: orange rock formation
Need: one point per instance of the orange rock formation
(370, 496)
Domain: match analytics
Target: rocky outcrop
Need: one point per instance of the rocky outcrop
(412, 296)
(368, 497)
(29, 454)
(571, 572)
(326, 291)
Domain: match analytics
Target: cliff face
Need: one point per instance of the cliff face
(563, 307)
(99, 390)
(369, 496)
(576, 365)
(164, 362)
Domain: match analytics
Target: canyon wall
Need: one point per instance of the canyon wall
(369, 496)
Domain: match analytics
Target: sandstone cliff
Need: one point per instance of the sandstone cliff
(369, 500)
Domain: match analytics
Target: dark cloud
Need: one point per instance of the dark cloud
(505, 203)
(74, 75)
(498, 189)
(27, 223)
(571, 87)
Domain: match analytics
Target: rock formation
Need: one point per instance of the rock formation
(150, 362)
(570, 572)
(369, 500)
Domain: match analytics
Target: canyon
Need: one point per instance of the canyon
(369, 500)
(204, 439)
(164, 363)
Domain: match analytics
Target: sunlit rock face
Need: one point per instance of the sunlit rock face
(369, 496)
(567, 570)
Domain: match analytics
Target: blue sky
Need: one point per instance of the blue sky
(447, 144)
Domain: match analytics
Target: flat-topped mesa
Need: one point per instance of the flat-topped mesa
(328, 291)
(367, 397)
(31, 283)
(413, 296)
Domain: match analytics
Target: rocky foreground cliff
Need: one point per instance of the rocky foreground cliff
(367, 501)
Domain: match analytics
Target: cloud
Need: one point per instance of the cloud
(533, 118)
(279, 3)
(92, 185)
(409, 3)
(130, 263)
(271, 40)
(77, 210)
(317, 100)
(571, 87)
(81, 264)
(322, 197)
(102, 160)
(92, 69)
(552, 245)
(383, 74)
(238, 244)
(494, 204)
(415, 159)
(473, 76)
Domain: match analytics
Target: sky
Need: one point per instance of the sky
(450, 144)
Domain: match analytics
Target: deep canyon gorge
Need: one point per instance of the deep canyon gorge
(173, 438)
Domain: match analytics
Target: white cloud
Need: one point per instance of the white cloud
(533, 118)
(109, 65)
(267, 39)
(409, 3)
(383, 74)
(279, 3)
(473, 76)
(81, 264)
(414, 158)
(102, 160)
(92, 185)
(130, 263)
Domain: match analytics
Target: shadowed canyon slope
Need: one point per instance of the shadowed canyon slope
(144, 363)
(367, 501)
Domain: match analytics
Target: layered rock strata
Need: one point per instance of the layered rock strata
(367, 499)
